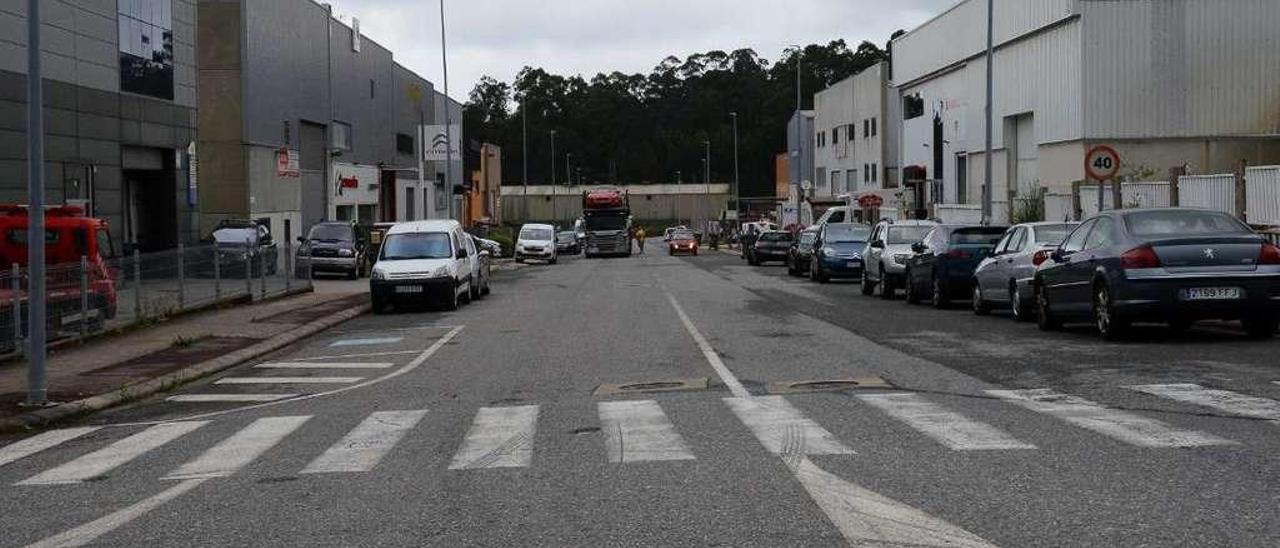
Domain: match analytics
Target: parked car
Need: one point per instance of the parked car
(239, 241)
(667, 232)
(838, 251)
(536, 241)
(885, 257)
(835, 215)
(567, 243)
(1004, 278)
(481, 267)
(334, 246)
(942, 263)
(801, 252)
(424, 261)
(494, 248)
(682, 241)
(1170, 265)
(751, 232)
(770, 246)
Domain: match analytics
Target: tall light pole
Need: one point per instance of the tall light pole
(555, 208)
(737, 205)
(799, 138)
(568, 173)
(448, 116)
(706, 175)
(986, 157)
(37, 383)
(524, 159)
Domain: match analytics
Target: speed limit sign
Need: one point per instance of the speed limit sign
(1101, 163)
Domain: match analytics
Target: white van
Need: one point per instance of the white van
(423, 261)
(536, 242)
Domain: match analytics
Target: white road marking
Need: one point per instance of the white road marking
(35, 444)
(363, 355)
(1222, 400)
(712, 357)
(367, 342)
(1124, 426)
(638, 430)
(231, 398)
(112, 456)
(362, 448)
(325, 365)
(89, 532)
(289, 380)
(782, 428)
(947, 427)
(500, 437)
(240, 449)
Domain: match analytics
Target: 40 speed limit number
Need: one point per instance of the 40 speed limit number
(1101, 163)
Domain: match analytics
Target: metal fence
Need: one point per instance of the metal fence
(92, 296)
(1216, 192)
(1262, 195)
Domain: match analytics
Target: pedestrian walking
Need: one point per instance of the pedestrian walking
(640, 239)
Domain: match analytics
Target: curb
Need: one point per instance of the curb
(50, 415)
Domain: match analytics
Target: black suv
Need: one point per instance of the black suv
(334, 246)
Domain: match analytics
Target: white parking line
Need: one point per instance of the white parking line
(367, 342)
(1222, 400)
(289, 380)
(240, 449)
(229, 398)
(362, 355)
(1127, 427)
(362, 448)
(500, 437)
(638, 430)
(112, 456)
(325, 365)
(89, 532)
(947, 427)
(782, 428)
(35, 444)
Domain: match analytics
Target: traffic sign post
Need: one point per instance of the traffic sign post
(1101, 164)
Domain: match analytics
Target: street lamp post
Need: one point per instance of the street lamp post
(799, 138)
(986, 157)
(555, 209)
(737, 205)
(706, 176)
(448, 116)
(37, 383)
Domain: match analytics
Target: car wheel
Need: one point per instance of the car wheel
(939, 297)
(980, 305)
(887, 288)
(791, 268)
(1261, 327)
(452, 302)
(909, 289)
(474, 292)
(867, 287)
(379, 305)
(552, 260)
(1020, 308)
(354, 274)
(1044, 313)
(519, 259)
(1110, 326)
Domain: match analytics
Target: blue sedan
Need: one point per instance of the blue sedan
(1172, 265)
(837, 253)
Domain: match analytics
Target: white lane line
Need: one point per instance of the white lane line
(1124, 426)
(947, 427)
(229, 398)
(782, 428)
(89, 532)
(365, 446)
(325, 365)
(240, 449)
(362, 355)
(500, 437)
(35, 444)
(636, 431)
(112, 456)
(712, 357)
(1222, 400)
(289, 380)
(366, 342)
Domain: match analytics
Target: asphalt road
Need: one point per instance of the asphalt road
(488, 427)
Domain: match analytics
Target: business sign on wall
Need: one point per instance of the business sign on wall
(287, 163)
(439, 145)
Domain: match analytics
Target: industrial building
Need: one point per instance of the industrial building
(853, 144)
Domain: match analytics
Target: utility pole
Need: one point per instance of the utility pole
(799, 139)
(986, 157)
(37, 383)
(706, 176)
(568, 173)
(737, 205)
(448, 117)
(553, 158)
(524, 159)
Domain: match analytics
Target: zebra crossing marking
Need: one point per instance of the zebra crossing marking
(778, 425)
(35, 444)
(1124, 426)
(1222, 400)
(325, 365)
(638, 430)
(114, 455)
(500, 437)
(366, 342)
(365, 446)
(229, 398)
(289, 380)
(240, 449)
(943, 425)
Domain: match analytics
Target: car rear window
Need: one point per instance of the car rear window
(848, 233)
(1052, 234)
(907, 234)
(1175, 222)
(775, 237)
(977, 235)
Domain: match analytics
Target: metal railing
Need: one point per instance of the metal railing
(91, 296)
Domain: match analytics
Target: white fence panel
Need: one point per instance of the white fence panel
(1058, 207)
(1089, 200)
(1262, 195)
(958, 213)
(1145, 194)
(1216, 192)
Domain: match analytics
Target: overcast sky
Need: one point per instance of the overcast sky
(499, 37)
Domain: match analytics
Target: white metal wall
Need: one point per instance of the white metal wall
(1262, 199)
(1216, 192)
(1143, 194)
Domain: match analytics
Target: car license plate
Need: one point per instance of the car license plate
(409, 289)
(855, 264)
(1212, 293)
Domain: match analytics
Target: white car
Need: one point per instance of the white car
(536, 241)
(884, 260)
(424, 261)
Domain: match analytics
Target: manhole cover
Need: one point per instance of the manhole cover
(645, 387)
(860, 383)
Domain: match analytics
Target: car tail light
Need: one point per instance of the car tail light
(1140, 257)
(1040, 257)
(1270, 254)
(958, 254)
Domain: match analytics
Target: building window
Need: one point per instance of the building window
(866, 128)
(850, 180)
(341, 136)
(442, 198)
(404, 143)
(835, 182)
(866, 173)
(835, 135)
(873, 127)
(912, 107)
(146, 47)
(875, 173)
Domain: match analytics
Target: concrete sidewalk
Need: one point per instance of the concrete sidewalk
(119, 363)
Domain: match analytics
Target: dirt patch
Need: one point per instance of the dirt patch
(315, 312)
(173, 358)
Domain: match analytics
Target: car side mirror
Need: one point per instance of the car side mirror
(1058, 255)
(918, 247)
(462, 253)
(302, 239)
(877, 244)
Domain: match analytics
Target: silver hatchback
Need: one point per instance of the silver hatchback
(1004, 278)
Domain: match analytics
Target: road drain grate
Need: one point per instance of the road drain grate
(829, 385)
(646, 387)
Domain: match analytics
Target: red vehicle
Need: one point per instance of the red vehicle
(606, 220)
(683, 242)
(69, 235)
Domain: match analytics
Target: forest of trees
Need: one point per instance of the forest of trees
(637, 129)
